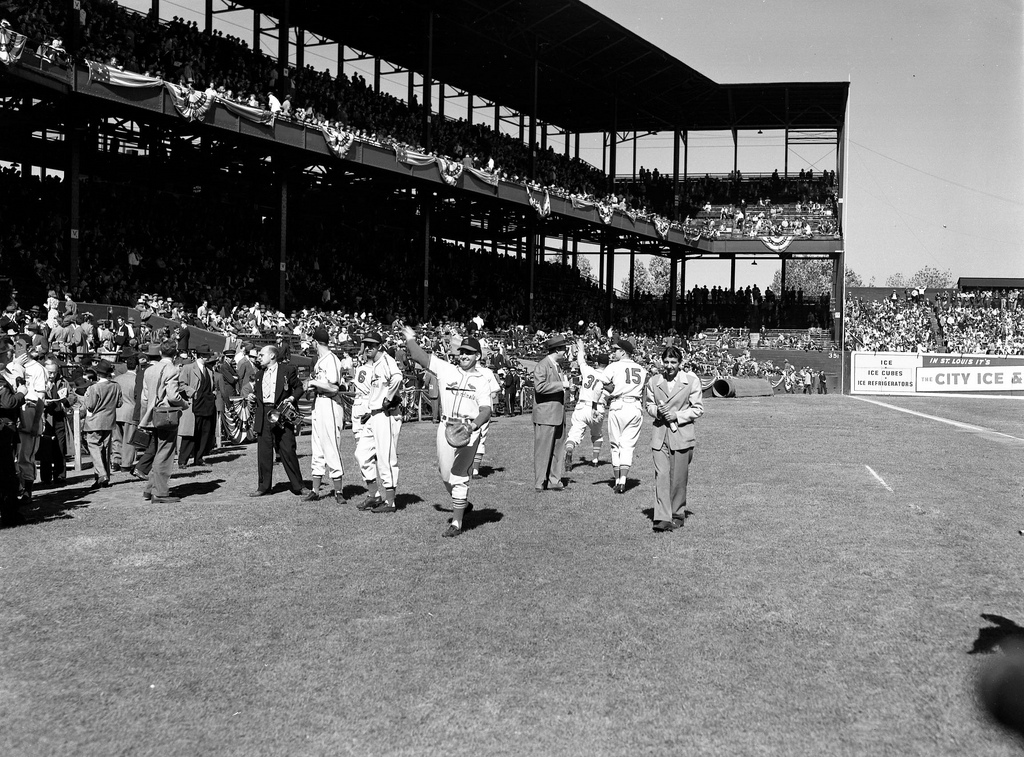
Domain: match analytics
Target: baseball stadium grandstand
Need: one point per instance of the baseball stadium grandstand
(146, 154)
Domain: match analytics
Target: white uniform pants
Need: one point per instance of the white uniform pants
(624, 420)
(456, 465)
(377, 448)
(328, 418)
(585, 417)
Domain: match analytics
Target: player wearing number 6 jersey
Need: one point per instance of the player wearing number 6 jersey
(624, 382)
(590, 406)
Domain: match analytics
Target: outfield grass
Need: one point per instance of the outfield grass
(803, 610)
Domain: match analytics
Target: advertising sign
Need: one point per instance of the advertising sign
(884, 372)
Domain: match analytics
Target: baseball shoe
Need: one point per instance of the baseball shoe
(137, 476)
(595, 462)
(368, 504)
(162, 500)
(620, 488)
(476, 473)
(311, 497)
(383, 507)
(678, 521)
(451, 531)
(338, 496)
(664, 525)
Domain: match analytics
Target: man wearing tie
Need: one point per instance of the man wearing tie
(549, 418)
(100, 410)
(199, 419)
(673, 400)
(275, 384)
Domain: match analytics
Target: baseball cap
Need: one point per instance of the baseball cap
(373, 337)
(624, 344)
(320, 335)
(470, 344)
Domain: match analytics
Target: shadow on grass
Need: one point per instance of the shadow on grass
(218, 458)
(56, 504)
(476, 518)
(1004, 632)
(648, 512)
(352, 490)
(194, 488)
(403, 500)
(487, 470)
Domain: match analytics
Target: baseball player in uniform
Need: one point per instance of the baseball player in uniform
(328, 417)
(495, 389)
(624, 382)
(465, 395)
(379, 417)
(590, 406)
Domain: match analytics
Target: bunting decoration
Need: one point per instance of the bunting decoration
(605, 211)
(631, 215)
(450, 170)
(338, 142)
(580, 203)
(661, 226)
(192, 105)
(484, 176)
(12, 45)
(543, 209)
(777, 244)
(104, 74)
(411, 158)
(256, 115)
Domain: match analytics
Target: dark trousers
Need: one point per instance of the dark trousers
(281, 440)
(53, 450)
(508, 396)
(548, 455)
(200, 442)
(8, 473)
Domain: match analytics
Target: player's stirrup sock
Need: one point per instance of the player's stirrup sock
(316, 483)
(459, 511)
(623, 473)
(337, 484)
(389, 497)
(371, 489)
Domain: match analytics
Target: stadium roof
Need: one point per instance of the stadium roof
(989, 283)
(593, 72)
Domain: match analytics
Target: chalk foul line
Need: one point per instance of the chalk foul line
(948, 421)
(879, 479)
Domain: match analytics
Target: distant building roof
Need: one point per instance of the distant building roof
(968, 283)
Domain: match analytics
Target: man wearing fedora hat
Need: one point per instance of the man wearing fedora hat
(31, 427)
(198, 420)
(99, 406)
(549, 418)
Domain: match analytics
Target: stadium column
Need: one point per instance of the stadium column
(428, 207)
(533, 120)
(632, 268)
(428, 82)
(283, 25)
(155, 8)
(283, 261)
(675, 174)
(732, 274)
(531, 254)
(469, 108)
(256, 31)
(208, 16)
(74, 186)
(376, 75)
(613, 145)
(672, 285)
(611, 279)
(300, 49)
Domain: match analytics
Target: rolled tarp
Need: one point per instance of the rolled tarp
(733, 386)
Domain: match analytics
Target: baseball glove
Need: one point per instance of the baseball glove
(458, 433)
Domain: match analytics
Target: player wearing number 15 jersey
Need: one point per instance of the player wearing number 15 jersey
(590, 406)
(624, 382)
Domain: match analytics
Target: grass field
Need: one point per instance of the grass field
(805, 609)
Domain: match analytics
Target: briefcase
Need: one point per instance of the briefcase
(139, 438)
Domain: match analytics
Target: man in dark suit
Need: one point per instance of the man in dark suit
(198, 420)
(275, 383)
(549, 418)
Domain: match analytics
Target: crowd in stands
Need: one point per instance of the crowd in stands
(955, 321)
(225, 67)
